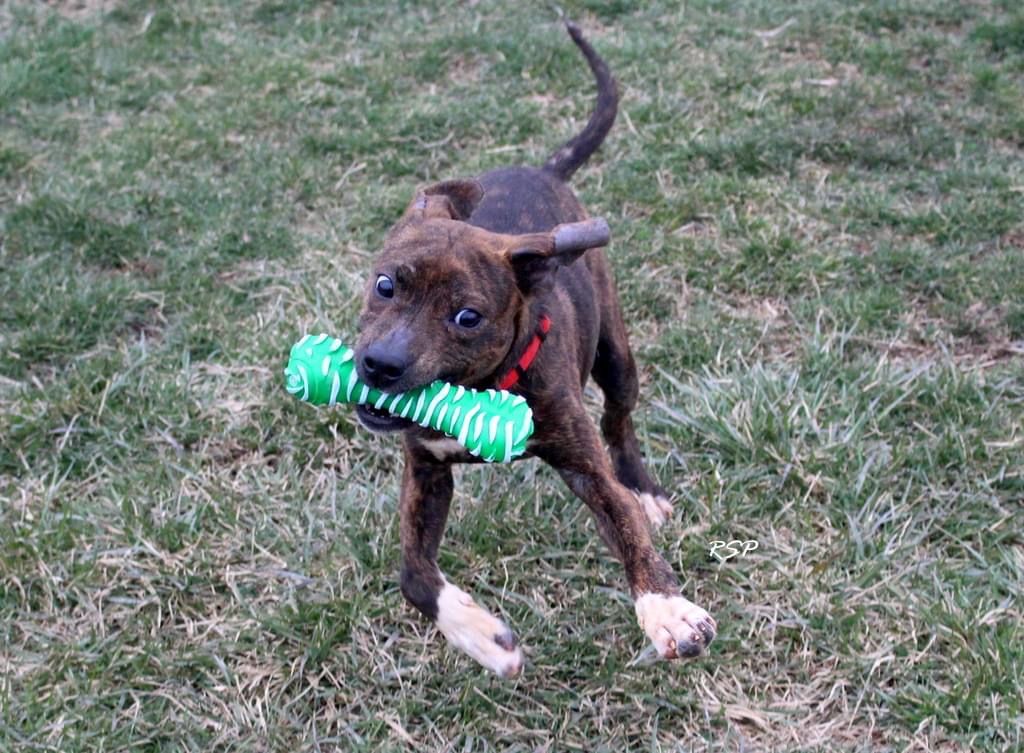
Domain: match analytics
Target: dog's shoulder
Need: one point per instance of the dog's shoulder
(524, 199)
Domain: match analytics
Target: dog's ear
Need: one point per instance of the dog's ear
(535, 257)
(448, 200)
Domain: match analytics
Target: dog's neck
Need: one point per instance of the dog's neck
(526, 324)
(518, 371)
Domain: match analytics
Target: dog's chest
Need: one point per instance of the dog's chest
(446, 449)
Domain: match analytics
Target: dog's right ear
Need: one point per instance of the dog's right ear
(448, 200)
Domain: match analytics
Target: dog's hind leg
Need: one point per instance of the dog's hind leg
(615, 373)
(426, 496)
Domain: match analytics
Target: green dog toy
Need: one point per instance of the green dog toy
(493, 425)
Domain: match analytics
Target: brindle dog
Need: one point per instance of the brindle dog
(457, 293)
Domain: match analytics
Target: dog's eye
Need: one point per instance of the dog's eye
(468, 318)
(385, 288)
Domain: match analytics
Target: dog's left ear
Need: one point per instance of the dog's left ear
(536, 256)
(448, 200)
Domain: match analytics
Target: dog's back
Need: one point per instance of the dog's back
(530, 199)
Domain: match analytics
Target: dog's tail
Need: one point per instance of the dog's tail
(578, 149)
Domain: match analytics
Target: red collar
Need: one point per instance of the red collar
(519, 370)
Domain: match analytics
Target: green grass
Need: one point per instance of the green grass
(818, 220)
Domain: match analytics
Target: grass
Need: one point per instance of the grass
(818, 218)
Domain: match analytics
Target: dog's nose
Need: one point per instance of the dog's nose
(383, 366)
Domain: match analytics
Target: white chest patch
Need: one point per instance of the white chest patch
(443, 449)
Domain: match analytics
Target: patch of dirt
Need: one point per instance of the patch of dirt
(1013, 239)
(702, 227)
(464, 70)
(977, 341)
(78, 10)
(767, 310)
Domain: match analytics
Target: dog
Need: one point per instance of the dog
(501, 281)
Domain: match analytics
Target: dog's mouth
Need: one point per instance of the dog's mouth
(380, 420)
(376, 419)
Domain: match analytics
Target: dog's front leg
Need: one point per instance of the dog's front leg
(426, 496)
(677, 627)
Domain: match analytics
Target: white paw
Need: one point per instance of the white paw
(677, 627)
(656, 508)
(473, 629)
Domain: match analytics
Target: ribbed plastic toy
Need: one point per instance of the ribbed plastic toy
(491, 424)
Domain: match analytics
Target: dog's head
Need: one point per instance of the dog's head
(445, 298)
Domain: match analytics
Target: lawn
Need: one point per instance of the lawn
(817, 211)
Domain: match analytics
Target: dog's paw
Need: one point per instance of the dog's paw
(471, 628)
(657, 509)
(677, 627)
